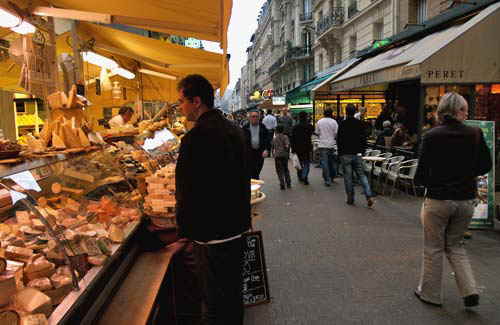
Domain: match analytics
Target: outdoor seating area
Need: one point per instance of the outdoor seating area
(385, 169)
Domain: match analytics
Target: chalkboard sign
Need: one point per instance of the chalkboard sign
(255, 284)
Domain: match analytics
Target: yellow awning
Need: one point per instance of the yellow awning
(180, 60)
(202, 19)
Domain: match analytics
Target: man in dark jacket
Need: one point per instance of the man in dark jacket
(213, 198)
(259, 142)
(302, 146)
(351, 142)
(452, 156)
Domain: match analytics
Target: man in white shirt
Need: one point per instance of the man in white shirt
(124, 115)
(270, 122)
(326, 130)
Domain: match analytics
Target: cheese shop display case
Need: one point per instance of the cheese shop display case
(67, 239)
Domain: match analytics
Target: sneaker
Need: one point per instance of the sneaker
(471, 301)
(370, 202)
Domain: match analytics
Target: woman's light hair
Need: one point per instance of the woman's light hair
(449, 106)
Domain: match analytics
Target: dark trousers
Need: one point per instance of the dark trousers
(209, 284)
(222, 278)
(257, 163)
(282, 170)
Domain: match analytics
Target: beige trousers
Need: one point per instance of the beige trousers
(444, 223)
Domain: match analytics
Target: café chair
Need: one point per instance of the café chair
(390, 170)
(406, 175)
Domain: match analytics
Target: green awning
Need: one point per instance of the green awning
(295, 109)
(302, 93)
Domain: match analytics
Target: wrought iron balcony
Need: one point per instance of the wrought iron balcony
(352, 10)
(306, 16)
(294, 53)
(298, 52)
(333, 18)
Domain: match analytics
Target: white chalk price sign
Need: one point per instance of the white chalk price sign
(255, 284)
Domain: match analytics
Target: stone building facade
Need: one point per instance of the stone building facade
(298, 39)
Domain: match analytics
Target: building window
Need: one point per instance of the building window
(306, 4)
(320, 62)
(352, 46)
(421, 11)
(378, 31)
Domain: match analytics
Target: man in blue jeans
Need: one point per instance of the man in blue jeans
(351, 142)
(326, 130)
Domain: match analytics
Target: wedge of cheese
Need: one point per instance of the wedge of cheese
(8, 287)
(18, 253)
(33, 301)
(36, 319)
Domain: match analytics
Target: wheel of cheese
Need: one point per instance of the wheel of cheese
(9, 317)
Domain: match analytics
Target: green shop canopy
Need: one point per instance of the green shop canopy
(295, 109)
(301, 94)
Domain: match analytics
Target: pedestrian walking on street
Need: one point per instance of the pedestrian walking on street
(351, 141)
(326, 130)
(271, 123)
(281, 154)
(259, 142)
(452, 156)
(302, 146)
(213, 152)
(286, 121)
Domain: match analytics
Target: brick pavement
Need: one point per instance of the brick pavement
(329, 263)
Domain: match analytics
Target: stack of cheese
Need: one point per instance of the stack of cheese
(160, 199)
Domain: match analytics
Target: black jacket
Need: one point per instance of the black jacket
(351, 137)
(301, 140)
(213, 180)
(264, 137)
(451, 157)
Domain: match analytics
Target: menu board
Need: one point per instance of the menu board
(484, 210)
(255, 284)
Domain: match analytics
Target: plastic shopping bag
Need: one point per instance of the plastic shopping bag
(296, 161)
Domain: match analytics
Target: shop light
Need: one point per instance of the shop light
(124, 73)
(24, 28)
(8, 20)
(99, 60)
(158, 74)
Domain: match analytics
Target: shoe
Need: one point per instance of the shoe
(282, 187)
(306, 182)
(350, 202)
(370, 202)
(289, 185)
(417, 294)
(327, 184)
(467, 235)
(471, 301)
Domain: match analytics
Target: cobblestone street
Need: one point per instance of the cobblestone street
(330, 263)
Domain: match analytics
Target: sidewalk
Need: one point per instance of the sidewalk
(330, 263)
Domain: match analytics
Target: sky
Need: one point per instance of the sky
(241, 27)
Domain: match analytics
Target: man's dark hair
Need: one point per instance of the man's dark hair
(303, 117)
(350, 110)
(280, 129)
(196, 85)
(328, 112)
(269, 111)
(125, 109)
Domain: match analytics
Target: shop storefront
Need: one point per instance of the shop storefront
(413, 76)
